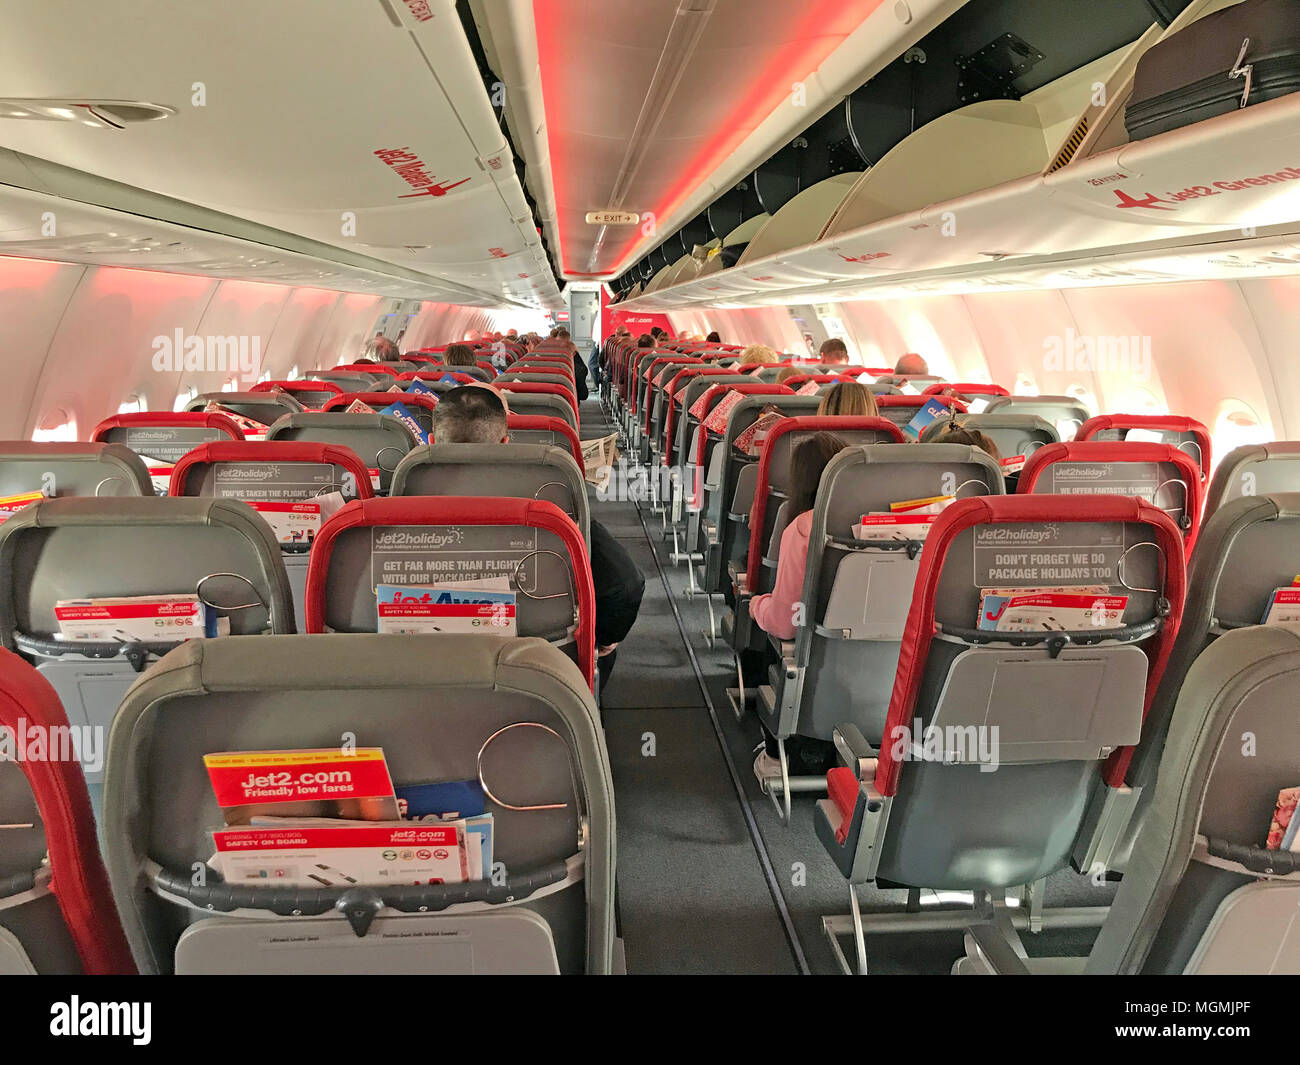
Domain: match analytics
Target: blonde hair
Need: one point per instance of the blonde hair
(788, 372)
(758, 353)
(849, 399)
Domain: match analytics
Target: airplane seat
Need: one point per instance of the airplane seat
(56, 910)
(1065, 412)
(514, 714)
(1209, 890)
(769, 514)
(1246, 551)
(438, 379)
(539, 429)
(902, 408)
(311, 394)
(347, 380)
(79, 548)
(964, 389)
(1203, 895)
(70, 468)
(539, 377)
(949, 804)
(380, 440)
(416, 540)
(533, 399)
(1014, 435)
(676, 391)
(1254, 469)
(261, 407)
(1163, 475)
(420, 405)
(841, 664)
(281, 472)
(916, 380)
(516, 470)
(1186, 434)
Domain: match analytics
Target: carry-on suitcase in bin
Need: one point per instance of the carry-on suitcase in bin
(1233, 58)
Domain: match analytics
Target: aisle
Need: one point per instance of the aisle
(693, 897)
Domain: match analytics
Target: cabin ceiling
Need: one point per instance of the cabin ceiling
(282, 111)
(643, 101)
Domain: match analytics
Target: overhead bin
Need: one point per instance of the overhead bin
(803, 219)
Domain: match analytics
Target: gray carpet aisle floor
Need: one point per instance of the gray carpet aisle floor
(710, 880)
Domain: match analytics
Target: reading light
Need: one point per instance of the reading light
(100, 114)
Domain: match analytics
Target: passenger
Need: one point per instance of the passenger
(476, 414)
(834, 351)
(364, 362)
(713, 338)
(787, 372)
(645, 340)
(848, 399)
(459, 355)
(956, 433)
(579, 367)
(758, 353)
(910, 365)
(776, 611)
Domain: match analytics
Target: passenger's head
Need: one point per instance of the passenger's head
(809, 459)
(364, 362)
(956, 433)
(713, 338)
(760, 353)
(459, 355)
(645, 340)
(786, 372)
(834, 351)
(850, 399)
(385, 350)
(910, 365)
(471, 414)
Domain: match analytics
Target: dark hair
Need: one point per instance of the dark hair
(714, 338)
(470, 414)
(645, 340)
(807, 463)
(459, 355)
(956, 433)
(834, 344)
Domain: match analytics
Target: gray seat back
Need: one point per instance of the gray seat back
(526, 471)
(543, 403)
(348, 380)
(72, 469)
(380, 440)
(264, 407)
(432, 706)
(81, 548)
(1062, 412)
(1202, 894)
(856, 595)
(959, 825)
(1246, 550)
(1255, 470)
(1012, 434)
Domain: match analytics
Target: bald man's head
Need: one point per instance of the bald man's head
(911, 364)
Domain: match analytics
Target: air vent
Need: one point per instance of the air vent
(101, 114)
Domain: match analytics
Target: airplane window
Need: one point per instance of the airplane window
(231, 386)
(57, 425)
(1142, 401)
(1236, 426)
(1025, 387)
(183, 397)
(266, 376)
(133, 405)
(293, 373)
(1083, 396)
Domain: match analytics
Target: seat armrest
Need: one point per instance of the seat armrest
(855, 751)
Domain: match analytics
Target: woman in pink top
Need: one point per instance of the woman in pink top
(777, 611)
